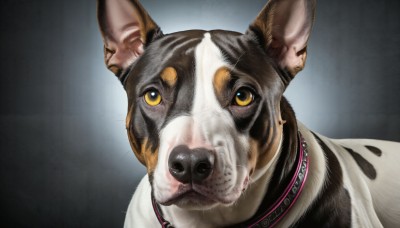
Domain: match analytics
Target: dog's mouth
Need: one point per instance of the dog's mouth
(199, 196)
(187, 195)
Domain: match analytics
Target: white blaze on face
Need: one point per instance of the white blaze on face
(207, 126)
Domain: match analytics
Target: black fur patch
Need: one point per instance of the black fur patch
(374, 150)
(367, 168)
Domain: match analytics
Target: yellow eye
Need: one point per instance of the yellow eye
(152, 98)
(243, 97)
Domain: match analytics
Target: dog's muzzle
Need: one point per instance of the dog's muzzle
(191, 165)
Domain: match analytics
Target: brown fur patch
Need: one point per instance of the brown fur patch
(132, 139)
(261, 154)
(303, 57)
(135, 147)
(150, 157)
(272, 145)
(254, 147)
(128, 119)
(253, 154)
(169, 76)
(221, 79)
(143, 153)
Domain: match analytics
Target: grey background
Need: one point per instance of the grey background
(65, 158)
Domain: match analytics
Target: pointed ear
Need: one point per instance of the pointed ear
(283, 27)
(126, 28)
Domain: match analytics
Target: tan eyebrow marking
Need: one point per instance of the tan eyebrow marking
(221, 78)
(169, 76)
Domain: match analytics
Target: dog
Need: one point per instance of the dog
(222, 146)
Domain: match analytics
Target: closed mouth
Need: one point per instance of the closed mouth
(188, 195)
(192, 196)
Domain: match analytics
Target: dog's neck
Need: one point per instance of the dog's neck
(260, 195)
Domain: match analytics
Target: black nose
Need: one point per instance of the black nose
(187, 165)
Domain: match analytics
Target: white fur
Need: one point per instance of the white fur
(380, 198)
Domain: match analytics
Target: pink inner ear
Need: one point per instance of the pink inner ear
(122, 34)
(292, 22)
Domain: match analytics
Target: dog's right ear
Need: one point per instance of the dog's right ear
(127, 29)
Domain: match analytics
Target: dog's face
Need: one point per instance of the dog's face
(192, 94)
(204, 106)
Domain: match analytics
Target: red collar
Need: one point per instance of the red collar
(281, 206)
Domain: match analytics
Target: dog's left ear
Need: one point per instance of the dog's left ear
(127, 29)
(283, 28)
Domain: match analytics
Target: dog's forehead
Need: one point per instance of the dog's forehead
(177, 50)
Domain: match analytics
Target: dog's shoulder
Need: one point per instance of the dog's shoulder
(140, 211)
(366, 169)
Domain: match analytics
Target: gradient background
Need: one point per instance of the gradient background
(65, 157)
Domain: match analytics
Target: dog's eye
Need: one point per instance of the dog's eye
(152, 97)
(243, 97)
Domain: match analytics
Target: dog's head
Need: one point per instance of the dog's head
(204, 106)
